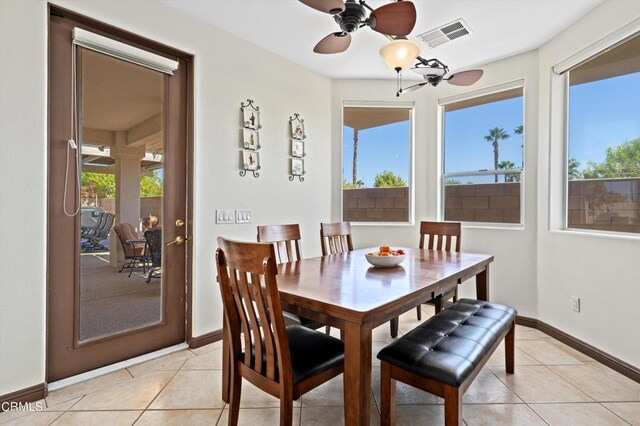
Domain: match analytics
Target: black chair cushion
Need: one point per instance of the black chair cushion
(448, 346)
(293, 319)
(312, 352)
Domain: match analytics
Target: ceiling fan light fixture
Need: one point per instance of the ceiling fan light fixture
(428, 70)
(399, 53)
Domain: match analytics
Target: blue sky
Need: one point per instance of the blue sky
(602, 113)
(379, 148)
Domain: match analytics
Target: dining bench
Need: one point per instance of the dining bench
(444, 354)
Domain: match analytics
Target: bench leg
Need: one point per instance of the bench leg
(387, 396)
(452, 406)
(419, 312)
(509, 350)
(393, 327)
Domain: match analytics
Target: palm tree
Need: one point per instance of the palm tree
(574, 169)
(354, 180)
(495, 136)
(508, 165)
(518, 131)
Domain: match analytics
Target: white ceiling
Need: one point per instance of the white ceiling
(501, 28)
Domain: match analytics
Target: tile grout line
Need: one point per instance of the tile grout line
(221, 413)
(156, 397)
(567, 380)
(615, 414)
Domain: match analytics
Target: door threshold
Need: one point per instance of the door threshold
(53, 386)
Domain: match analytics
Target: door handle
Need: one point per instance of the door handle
(180, 240)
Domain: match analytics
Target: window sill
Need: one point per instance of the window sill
(490, 225)
(597, 234)
(382, 223)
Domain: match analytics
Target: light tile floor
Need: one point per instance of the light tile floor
(553, 384)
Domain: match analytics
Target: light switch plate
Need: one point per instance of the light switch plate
(244, 216)
(225, 216)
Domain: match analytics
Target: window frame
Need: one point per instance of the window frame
(411, 176)
(560, 79)
(442, 176)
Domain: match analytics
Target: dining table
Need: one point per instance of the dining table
(345, 291)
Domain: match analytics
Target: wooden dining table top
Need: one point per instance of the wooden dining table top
(348, 287)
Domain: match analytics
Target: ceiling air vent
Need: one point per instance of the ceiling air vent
(445, 33)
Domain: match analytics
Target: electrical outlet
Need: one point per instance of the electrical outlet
(244, 216)
(575, 303)
(225, 216)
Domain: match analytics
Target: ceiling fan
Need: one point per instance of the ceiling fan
(435, 72)
(393, 19)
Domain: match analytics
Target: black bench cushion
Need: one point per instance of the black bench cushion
(448, 346)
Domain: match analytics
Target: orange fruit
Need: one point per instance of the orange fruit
(385, 253)
(385, 249)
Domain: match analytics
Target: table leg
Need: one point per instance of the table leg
(482, 284)
(357, 374)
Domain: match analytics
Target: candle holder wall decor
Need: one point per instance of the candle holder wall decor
(298, 151)
(250, 138)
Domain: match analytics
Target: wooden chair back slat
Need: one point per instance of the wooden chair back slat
(441, 235)
(268, 341)
(335, 238)
(247, 277)
(286, 239)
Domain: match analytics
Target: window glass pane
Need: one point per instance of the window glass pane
(604, 142)
(376, 164)
(484, 134)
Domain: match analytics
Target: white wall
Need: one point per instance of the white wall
(601, 270)
(227, 72)
(23, 208)
(514, 269)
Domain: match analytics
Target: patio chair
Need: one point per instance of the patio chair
(93, 237)
(86, 230)
(154, 244)
(135, 253)
(286, 243)
(285, 362)
(441, 236)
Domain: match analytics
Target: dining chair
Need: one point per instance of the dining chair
(285, 239)
(335, 238)
(285, 362)
(442, 236)
(286, 242)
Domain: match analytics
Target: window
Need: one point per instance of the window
(603, 162)
(376, 166)
(483, 158)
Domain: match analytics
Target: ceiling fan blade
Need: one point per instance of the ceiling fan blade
(328, 6)
(413, 88)
(395, 19)
(333, 43)
(465, 78)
